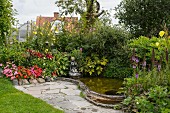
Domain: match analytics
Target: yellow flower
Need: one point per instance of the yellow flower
(46, 50)
(35, 32)
(41, 33)
(161, 33)
(157, 43)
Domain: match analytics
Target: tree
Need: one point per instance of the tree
(6, 19)
(144, 17)
(89, 10)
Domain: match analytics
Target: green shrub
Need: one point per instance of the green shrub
(117, 69)
(93, 65)
(14, 53)
(105, 41)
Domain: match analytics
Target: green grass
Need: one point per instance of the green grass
(14, 101)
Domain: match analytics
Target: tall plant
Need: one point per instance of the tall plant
(6, 20)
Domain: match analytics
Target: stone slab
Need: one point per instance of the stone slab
(72, 97)
(20, 88)
(70, 91)
(51, 91)
(38, 88)
(57, 86)
(33, 92)
(71, 86)
(81, 104)
(66, 105)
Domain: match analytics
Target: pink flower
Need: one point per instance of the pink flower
(15, 73)
(32, 71)
(1, 64)
(13, 77)
(81, 49)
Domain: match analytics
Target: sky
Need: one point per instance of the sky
(29, 9)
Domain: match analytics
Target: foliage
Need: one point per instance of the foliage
(13, 53)
(145, 18)
(6, 20)
(41, 38)
(55, 64)
(148, 91)
(21, 102)
(93, 65)
(106, 41)
(155, 99)
(145, 48)
(116, 69)
(9, 70)
(87, 9)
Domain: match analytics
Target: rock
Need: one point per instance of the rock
(33, 81)
(51, 79)
(25, 82)
(20, 82)
(40, 80)
(15, 82)
(47, 79)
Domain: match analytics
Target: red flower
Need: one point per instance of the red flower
(49, 56)
(25, 76)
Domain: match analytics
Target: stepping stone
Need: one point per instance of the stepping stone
(66, 105)
(71, 86)
(51, 91)
(57, 87)
(70, 91)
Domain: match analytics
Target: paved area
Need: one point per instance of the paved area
(63, 95)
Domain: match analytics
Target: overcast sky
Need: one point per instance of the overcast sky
(30, 9)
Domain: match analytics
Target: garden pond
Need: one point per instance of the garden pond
(105, 86)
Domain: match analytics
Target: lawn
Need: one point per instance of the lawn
(14, 101)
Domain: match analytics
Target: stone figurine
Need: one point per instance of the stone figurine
(74, 68)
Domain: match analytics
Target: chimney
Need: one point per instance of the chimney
(56, 14)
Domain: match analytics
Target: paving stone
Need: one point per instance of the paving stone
(73, 111)
(66, 105)
(71, 86)
(66, 83)
(30, 85)
(83, 108)
(81, 104)
(51, 91)
(49, 83)
(38, 88)
(56, 94)
(72, 97)
(37, 95)
(33, 92)
(94, 110)
(70, 92)
(20, 88)
(57, 86)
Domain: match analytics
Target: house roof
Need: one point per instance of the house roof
(69, 20)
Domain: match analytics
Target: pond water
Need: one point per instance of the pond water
(105, 86)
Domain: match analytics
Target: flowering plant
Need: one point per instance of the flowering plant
(23, 72)
(36, 71)
(9, 70)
